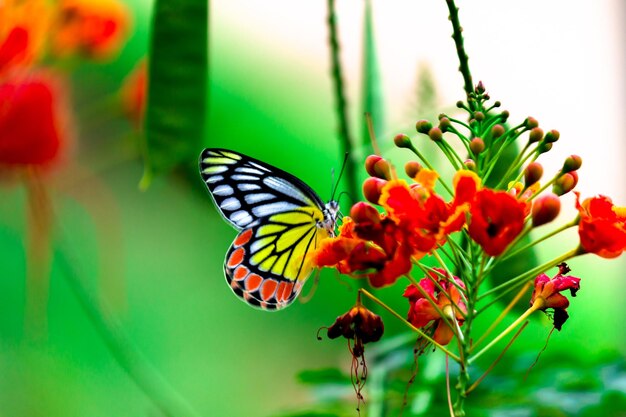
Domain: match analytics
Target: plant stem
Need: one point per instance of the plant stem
(457, 35)
(345, 138)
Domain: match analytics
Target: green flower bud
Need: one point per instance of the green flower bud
(444, 124)
(480, 116)
(497, 131)
(377, 166)
(572, 163)
(544, 147)
(535, 135)
(532, 173)
(531, 123)
(504, 115)
(402, 141)
(423, 126)
(565, 183)
(552, 136)
(412, 168)
(470, 164)
(435, 134)
(480, 88)
(477, 145)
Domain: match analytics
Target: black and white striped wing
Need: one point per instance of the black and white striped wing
(246, 190)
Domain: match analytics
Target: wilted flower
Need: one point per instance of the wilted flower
(547, 294)
(358, 324)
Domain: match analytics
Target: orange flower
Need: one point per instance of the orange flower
(30, 121)
(94, 28)
(496, 220)
(422, 312)
(368, 245)
(602, 227)
(547, 293)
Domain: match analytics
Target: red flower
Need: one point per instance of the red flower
(368, 245)
(30, 126)
(421, 309)
(546, 294)
(95, 28)
(496, 220)
(602, 227)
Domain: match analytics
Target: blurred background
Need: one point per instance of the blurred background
(73, 219)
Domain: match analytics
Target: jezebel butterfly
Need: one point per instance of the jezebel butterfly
(279, 218)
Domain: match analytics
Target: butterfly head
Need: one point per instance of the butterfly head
(331, 212)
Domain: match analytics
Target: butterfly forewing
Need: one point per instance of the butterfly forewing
(280, 220)
(246, 190)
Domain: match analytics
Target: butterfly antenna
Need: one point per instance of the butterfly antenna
(343, 167)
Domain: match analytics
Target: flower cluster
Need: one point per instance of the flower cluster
(477, 220)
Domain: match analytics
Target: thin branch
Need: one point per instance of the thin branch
(460, 48)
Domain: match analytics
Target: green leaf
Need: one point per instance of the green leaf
(323, 376)
(177, 92)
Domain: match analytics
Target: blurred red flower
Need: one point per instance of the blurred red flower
(30, 124)
(133, 93)
(496, 219)
(421, 309)
(547, 293)
(602, 227)
(93, 28)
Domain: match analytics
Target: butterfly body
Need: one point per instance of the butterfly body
(279, 218)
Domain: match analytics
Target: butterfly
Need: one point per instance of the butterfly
(279, 218)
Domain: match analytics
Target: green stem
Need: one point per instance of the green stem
(125, 353)
(457, 35)
(345, 138)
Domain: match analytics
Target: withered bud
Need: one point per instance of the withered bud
(552, 136)
(412, 168)
(423, 126)
(572, 163)
(444, 124)
(477, 145)
(565, 183)
(545, 209)
(470, 164)
(359, 324)
(532, 173)
(531, 123)
(372, 189)
(377, 166)
(480, 116)
(535, 135)
(435, 134)
(363, 212)
(402, 141)
(497, 131)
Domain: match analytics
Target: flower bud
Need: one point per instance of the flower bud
(460, 104)
(480, 88)
(545, 209)
(444, 124)
(565, 183)
(402, 141)
(435, 134)
(544, 147)
(532, 173)
(535, 135)
(531, 123)
(477, 145)
(470, 164)
(372, 189)
(552, 136)
(497, 131)
(423, 126)
(377, 166)
(497, 104)
(480, 116)
(412, 168)
(363, 212)
(572, 163)
(504, 115)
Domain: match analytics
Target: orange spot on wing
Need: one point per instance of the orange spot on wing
(280, 293)
(240, 273)
(286, 291)
(236, 257)
(268, 289)
(243, 238)
(253, 282)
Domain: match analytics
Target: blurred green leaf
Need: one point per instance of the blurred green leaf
(177, 92)
(323, 376)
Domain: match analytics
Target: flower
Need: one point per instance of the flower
(496, 219)
(93, 28)
(602, 227)
(31, 132)
(358, 324)
(133, 93)
(368, 244)
(448, 300)
(547, 294)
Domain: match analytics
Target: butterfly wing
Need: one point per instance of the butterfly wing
(246, 190)
(279, 219)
